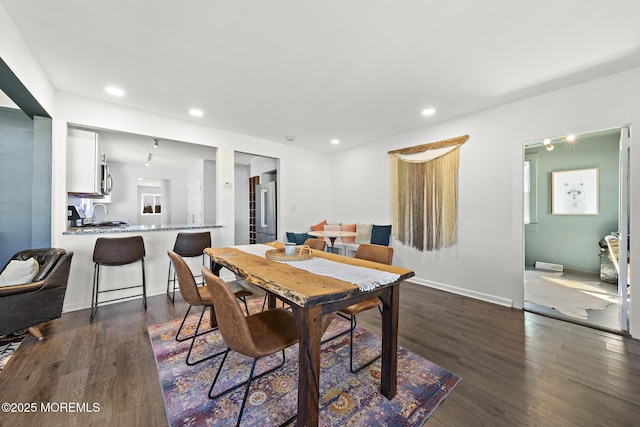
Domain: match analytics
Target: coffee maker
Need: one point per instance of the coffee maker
(76, 216)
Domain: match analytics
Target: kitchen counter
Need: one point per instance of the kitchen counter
(136, 228)
(157, 241)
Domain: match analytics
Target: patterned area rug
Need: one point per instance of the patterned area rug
(346, 399)
(9, 344)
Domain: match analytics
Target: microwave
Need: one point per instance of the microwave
(107, 182)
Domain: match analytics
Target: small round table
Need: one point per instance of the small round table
(332, 235)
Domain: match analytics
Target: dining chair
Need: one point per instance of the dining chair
(199, 296)
(317, 244)
(257, 335)
(369, 252)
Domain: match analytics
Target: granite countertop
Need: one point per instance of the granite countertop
(136, 228)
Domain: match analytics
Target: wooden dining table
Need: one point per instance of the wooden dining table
(312, 297)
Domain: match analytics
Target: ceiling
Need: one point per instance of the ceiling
(134, 149)
(356, 71)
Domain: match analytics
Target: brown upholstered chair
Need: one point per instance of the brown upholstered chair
(375, 253)
(198, 296)
(24, 306)
(257, 335)
(118, 251)
(317, 244)
(188, 245)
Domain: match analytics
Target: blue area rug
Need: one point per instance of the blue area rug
(9, 344)
(346, 398)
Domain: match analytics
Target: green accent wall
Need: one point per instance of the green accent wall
(25, 182)
(572, 240)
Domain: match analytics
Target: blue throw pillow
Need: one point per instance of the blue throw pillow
(297, 238)
(380, 234)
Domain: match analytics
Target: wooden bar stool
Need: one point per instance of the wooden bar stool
(116, 252)
(187, 245)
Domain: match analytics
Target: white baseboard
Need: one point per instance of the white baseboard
(150, 293)
(548, 266)
(464, 292)
(429, 283)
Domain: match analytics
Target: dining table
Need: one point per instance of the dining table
(332, 236)
(315, 294)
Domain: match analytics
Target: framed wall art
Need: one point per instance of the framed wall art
(574, 192)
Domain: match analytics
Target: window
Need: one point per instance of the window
(151, 204)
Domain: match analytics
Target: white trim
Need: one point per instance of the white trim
(464, 292)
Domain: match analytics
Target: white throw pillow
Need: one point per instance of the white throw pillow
(19, 272)
(363, 233)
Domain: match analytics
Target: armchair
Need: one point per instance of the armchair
(24, 306)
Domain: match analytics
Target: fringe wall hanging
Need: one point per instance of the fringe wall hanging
(424, 187)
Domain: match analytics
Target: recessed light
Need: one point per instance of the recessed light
(335, 141)
(115, 91)
(428, 111)
(195, 112)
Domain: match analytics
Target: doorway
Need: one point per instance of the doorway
(252, 173)
(575, 199)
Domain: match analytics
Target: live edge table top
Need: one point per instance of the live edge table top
(297, 286)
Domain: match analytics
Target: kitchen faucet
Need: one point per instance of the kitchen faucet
(94, 210)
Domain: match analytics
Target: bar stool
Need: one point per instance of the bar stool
(187, 245)
(114, 252)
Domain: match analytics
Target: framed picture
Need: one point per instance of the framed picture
(574, 192)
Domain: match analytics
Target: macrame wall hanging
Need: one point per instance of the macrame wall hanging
(424, 187)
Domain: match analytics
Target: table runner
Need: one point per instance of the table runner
(365, 278)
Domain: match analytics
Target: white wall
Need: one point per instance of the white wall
(209, 189)
(17, 55)
(312, 195)
(487, 261)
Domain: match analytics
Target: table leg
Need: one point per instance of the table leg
(389, 364)
(308, 321)
(271, 301)
(333, 244)
(215, 268)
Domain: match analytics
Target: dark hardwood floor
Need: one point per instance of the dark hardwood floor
(518, 368)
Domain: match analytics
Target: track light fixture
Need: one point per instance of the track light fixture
(147, 162)
(155, 143)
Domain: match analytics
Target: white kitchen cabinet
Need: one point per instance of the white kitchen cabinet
(84, 163)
